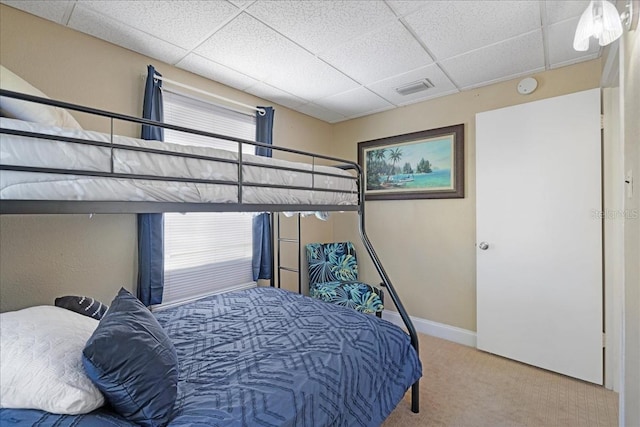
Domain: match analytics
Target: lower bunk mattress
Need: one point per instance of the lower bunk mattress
(269, 357)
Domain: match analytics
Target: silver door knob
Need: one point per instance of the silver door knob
(484, 246)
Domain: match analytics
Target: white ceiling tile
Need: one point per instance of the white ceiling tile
(449, 28)
(248, 46)
(370, 112)
(559, 10)
(354, 102)
(318, 25)
(583, 58)
(277, 96)
(405, 7)
(560, 44)
(97, 25)
(268, 56)
(310, 78)
(387, 88)
(320, 113)
(497, 62)
(335, 59)
(184, 24)
(51, 10)
(241, 3)
(214, 71)
(375, 56)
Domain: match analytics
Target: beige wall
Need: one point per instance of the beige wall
(44, 256)
(428, 246)
(631, 91)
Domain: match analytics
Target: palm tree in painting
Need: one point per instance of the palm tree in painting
(375, 167)
(380, 154)
(395, 155)
(370, 159)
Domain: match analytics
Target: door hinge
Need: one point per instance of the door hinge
(604, 340)
(601, 121)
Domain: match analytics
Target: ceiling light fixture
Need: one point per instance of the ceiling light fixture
(602, 21)
(414, 87)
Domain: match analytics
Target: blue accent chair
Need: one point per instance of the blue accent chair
(333, 277)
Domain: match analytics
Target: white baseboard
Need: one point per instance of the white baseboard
(435, 329)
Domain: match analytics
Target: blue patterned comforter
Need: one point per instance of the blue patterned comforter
(268, 357)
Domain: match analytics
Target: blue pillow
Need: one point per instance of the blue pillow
(133, 362)
(83, 305)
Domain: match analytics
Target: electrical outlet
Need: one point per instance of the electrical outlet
(628, 180)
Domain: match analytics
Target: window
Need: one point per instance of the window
(206, 252)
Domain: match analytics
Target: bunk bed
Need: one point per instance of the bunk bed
(300, 370)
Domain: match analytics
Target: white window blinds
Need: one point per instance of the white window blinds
(193, 113)
(205, 252)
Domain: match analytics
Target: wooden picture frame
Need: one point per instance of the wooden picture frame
(421, 165)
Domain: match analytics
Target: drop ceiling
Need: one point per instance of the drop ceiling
(336, 60)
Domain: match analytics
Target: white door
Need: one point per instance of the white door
(539, 234)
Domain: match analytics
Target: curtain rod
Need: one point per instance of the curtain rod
(261, 111)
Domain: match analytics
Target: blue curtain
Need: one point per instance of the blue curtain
(152, 106)
(262, 245)
(151, 226)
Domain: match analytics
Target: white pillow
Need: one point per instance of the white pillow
(30, 111)
(41, 361)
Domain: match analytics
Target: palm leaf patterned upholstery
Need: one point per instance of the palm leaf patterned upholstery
(333, 277)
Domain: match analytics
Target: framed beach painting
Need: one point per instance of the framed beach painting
(420, 165)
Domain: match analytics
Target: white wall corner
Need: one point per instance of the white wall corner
(435, 329)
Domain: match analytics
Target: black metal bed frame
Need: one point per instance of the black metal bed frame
(90, 207)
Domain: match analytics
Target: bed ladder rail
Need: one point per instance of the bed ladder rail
(289, 240)
(415, 388)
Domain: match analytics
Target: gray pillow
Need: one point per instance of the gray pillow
(83, 305)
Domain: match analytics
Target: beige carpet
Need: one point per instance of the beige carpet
(465, 387)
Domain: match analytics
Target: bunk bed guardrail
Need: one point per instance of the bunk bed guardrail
(69, 206)
(8, 206)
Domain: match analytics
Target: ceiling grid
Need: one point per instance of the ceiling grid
(336, 59)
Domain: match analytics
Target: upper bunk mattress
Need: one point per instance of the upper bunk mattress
(210, 164)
